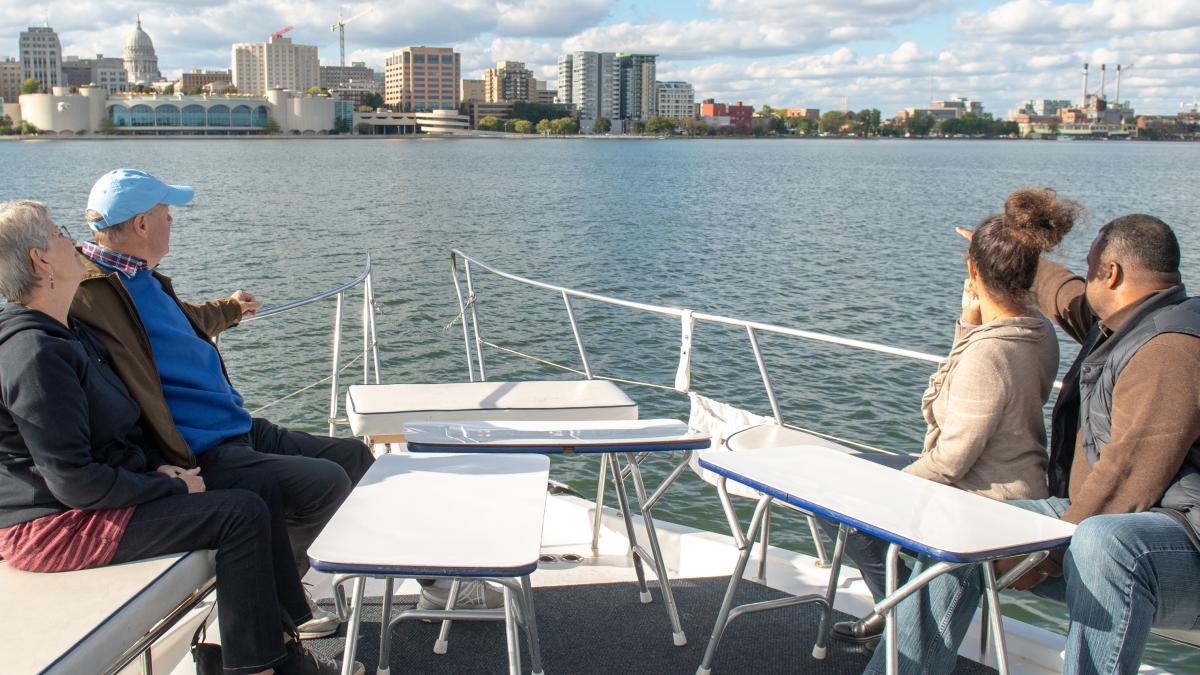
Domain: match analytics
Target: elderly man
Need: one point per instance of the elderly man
(162, 348)
(1124, 465)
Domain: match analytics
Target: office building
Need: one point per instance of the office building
(675, 99)
(737, 114)
(638, 94)
(354, 76)
(106, 72)
(141, 63)
(959, 104)
(261, 66)
(10, 79)
(477, 110)
(201, 79)
(546, 96)
(591, 83)
(472, 90)
(422, 78)
(41, 57)
(509, 81)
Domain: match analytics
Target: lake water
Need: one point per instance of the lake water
(847, 237)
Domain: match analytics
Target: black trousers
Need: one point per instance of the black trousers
(241, 516)
(315, 474)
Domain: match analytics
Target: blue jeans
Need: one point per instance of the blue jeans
(1122, 574)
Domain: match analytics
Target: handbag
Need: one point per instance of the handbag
(206, 655)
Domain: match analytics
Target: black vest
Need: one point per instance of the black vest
(1088, 388)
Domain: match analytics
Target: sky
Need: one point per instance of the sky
(827, 54)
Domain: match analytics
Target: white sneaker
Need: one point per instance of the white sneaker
(472, 594)
(322, 624)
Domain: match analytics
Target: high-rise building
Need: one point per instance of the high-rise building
(591, 82)
(141, 63)
(356, 75)
(10, 79)
(637, 91)
(422, 78)
(675, 99)
(509, 81)
(472, 90)
(277, 63)
(106, 72)
(41, 57)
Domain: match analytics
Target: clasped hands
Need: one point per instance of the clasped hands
(190, 477)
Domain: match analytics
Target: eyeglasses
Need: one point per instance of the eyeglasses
(64, 233)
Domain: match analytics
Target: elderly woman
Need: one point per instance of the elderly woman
(79, 490)
(983, 408)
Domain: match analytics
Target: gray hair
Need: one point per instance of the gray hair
(108, 236)
(23, 225)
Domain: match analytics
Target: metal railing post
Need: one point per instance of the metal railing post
(366, 335)
(587, 367)
(762, 369)
(462, 311)
(474, 323)
(370, 291)
(337, 344)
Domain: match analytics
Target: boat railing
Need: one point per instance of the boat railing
(476, 367)
(370, 346)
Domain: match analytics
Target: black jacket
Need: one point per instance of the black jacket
(68, 427)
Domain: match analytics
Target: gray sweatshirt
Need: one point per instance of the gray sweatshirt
(983, 408)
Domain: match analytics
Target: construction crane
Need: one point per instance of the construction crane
(279, 33)
(340, 29)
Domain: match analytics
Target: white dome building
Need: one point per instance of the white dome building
(141, 63)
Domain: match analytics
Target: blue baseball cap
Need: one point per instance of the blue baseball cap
(122, 194)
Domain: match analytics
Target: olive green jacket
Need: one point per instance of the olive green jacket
(103, 303)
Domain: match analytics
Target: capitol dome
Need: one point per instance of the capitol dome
(141, 63)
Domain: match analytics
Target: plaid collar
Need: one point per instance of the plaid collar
(128, 265)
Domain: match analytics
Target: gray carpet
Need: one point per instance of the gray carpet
(602, 628)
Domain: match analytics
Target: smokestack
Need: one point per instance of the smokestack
(1103, 72)
(1118, 84)
(1083, 101)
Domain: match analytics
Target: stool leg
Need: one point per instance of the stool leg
(352, 628)
(891, 569)
(623, 503)
(599, 507)
(385, 642)
(531, 631)
(442, 643)
(510, 630)
(660, 566)
(764, 544)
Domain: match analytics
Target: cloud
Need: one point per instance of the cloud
(1040, 21)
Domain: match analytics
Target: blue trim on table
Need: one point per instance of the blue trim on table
(403, 571)
(868, 528)
(66, 652)
(581, 448)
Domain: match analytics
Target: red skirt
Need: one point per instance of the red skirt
(62, 542)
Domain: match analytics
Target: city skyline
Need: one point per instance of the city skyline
(883, 54)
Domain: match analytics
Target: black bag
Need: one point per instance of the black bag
(206, 655)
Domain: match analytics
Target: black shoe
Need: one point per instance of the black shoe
(301, 660)
(863, 631)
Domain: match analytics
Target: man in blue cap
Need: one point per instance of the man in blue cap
(162, 348)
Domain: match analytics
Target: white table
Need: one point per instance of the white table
(950, 526)
(635, 439)
(446, 516)
(380, 411)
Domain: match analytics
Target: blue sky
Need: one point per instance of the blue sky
(886, 54)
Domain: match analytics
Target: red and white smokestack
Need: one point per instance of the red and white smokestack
(1103, 72)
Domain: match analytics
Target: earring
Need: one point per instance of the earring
(51, 281)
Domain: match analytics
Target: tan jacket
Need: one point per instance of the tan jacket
(983, 408)
(103, 303)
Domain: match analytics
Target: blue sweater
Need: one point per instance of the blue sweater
(205, 406)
